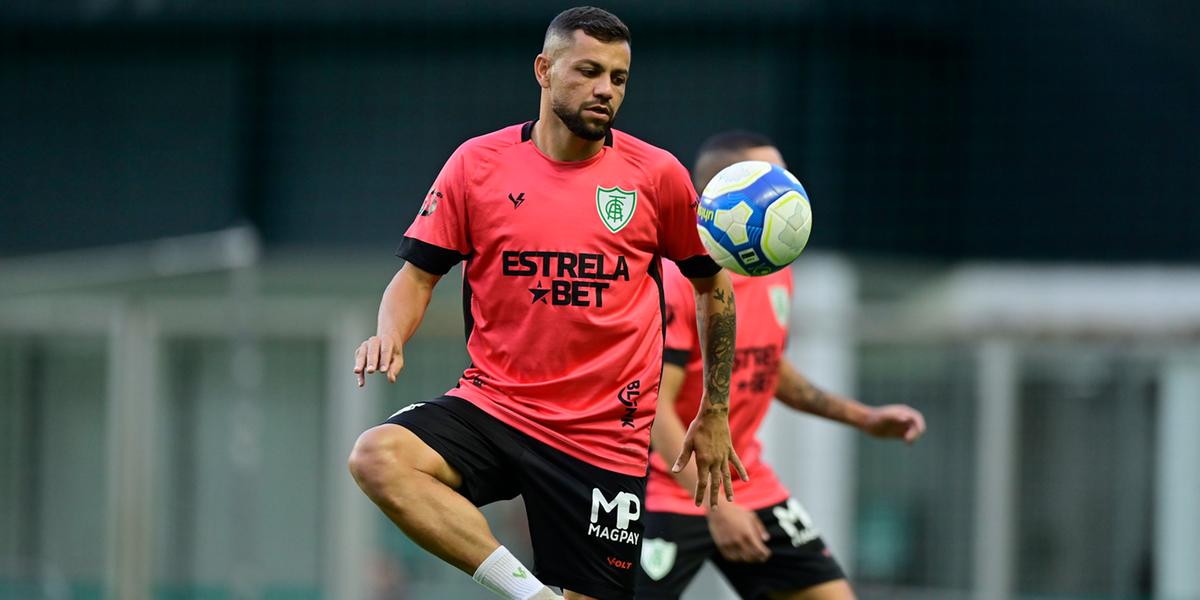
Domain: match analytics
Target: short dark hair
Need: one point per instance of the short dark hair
(722, 150)
(734, 140)
(596, 22)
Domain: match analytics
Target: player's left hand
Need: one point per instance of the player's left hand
(739, 534)
(895, 421)
(708, 438)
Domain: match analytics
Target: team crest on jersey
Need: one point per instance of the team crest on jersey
(658, 556)
(781, 303)
(615, 206)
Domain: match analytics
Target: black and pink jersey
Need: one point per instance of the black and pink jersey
(562, 286)
(762, 316)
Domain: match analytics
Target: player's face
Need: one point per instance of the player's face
(709, 165)
(587, 84)
(764, 153)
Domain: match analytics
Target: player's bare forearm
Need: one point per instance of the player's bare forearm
(400, 312)
(667, 435)
(891, 421)
(404, 302)
(708, 435)
(717, 324)
(795, 390)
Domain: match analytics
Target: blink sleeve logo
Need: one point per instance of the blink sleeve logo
(565, 278)
(628, 508)
(628, 398)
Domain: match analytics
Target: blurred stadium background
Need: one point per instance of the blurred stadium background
(199, 200)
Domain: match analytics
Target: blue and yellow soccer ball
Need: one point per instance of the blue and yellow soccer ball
(754, 218)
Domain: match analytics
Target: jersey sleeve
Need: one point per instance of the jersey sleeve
(679, 240)
(682, 343)
(439, 237)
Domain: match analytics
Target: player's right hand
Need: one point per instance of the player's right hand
(379, 353)
(708, 438)
(739, 534)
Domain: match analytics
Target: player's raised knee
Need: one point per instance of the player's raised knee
(386, 455)
(378, 456)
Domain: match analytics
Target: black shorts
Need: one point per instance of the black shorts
(677, 545)
(585, 522)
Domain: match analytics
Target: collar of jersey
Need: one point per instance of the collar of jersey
(527, 136)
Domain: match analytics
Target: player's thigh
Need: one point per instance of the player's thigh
(401, 449)
(674, 549)
(838, 589)
(460, 445)
(585, 523)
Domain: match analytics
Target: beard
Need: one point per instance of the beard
(577, 125)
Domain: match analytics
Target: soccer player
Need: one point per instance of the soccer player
(765, 544)
(563, 223)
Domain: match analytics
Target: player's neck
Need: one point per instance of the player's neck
(553, 138)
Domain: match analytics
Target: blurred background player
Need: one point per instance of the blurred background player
(765, 543)
(563, 223)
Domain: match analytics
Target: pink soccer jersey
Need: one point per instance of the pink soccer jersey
(562, 286)
(762, 310)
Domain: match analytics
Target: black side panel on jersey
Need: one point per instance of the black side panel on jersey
(468, 318)
(434, 259)
(655, 272)
(677, 356)
(698, 266)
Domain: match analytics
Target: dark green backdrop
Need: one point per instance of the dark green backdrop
(1039, 130)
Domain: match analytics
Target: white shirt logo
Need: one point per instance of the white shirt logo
(408, 408)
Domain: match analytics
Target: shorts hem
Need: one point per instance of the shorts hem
(812, 583)
(595, 589)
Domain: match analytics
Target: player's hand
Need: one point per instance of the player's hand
(739, 534)
(708, 438)
(895, 421)
(383, 354)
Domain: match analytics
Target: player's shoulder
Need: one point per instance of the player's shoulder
(647, 155)
(676, 285)
(671, 270)
(780, 278)
(746, 283)
(492, 142)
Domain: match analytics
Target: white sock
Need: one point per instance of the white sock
(502, 573)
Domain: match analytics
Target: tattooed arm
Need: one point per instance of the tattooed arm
(708, 436)
(895, 421)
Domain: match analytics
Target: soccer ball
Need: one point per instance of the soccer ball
(754, 218)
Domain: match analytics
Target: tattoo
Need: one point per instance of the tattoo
(721, 331)
(720, 409)
(719, 296)
(814, 400)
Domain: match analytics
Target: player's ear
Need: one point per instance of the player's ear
(541, 70)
